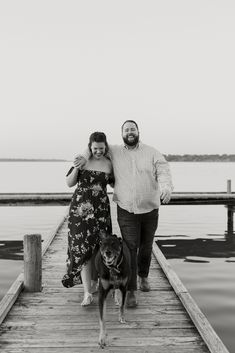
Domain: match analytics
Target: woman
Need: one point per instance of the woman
(89, 214)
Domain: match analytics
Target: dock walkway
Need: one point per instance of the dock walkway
(53, 321)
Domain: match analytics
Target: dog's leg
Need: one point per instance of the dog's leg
(102, 309)
(122, 305)
(117, 297)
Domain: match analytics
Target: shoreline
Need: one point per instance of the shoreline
(169, 159)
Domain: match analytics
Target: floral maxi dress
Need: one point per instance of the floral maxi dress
(89, 216)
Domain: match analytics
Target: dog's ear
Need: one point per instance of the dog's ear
(119, 238)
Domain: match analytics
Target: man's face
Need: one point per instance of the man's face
(130, 134)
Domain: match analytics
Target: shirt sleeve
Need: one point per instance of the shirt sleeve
(87, 154)
(111, 180)
(162, 172)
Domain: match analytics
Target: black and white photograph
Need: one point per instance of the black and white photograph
(117, 176)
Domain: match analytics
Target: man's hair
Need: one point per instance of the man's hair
(130, 121)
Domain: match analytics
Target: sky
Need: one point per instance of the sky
(68, 68)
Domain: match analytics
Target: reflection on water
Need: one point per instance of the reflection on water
(11, 263)
(11, 250)
(194, 250)
(205, 265)
(184, 247)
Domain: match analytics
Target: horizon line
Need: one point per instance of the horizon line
(68, 160)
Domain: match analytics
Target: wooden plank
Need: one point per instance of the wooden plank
(74, 311)
(113, 349)
(184, 198)
(10, 297)
(151, 300)
(132, 318)
(53, 233)
(208, 334)
(26, 324)
(87, 334)
(118, 341)
(33, 199)
(160, 296)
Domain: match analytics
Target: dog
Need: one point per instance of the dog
(113, 265)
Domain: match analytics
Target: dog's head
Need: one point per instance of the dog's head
(110, 248)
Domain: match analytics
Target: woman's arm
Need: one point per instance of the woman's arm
(72, 175)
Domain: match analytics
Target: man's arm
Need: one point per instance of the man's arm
(81, 159)
(163, 176)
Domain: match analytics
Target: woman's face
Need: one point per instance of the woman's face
(98, 149)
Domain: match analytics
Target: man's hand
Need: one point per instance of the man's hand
(79, 162)
(165, 196)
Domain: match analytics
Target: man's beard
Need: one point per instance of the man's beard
(132, 142)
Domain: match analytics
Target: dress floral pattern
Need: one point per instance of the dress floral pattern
(89, 216)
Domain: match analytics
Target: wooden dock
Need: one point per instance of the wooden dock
(52, 321)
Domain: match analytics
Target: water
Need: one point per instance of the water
(191, 237)
(17, 177)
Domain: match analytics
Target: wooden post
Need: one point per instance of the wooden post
(229, 211)
(229, 186)
(32, 263)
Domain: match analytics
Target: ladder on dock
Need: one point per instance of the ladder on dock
(52, 321)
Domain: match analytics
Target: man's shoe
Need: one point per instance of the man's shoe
(131, 301)
(144, 284)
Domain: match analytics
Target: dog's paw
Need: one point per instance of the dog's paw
(102, 340)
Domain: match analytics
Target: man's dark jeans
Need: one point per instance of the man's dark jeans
(138, 232)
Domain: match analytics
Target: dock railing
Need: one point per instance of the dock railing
(226, 198)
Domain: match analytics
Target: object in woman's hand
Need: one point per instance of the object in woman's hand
(70, 171)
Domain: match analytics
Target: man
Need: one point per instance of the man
(142, 179)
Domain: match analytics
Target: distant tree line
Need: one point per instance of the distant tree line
(200, 157)
(169, 157)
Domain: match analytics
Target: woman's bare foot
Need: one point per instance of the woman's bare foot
(87, 300)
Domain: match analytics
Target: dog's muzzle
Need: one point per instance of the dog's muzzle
(109, 258)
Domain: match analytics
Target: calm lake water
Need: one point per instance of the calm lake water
(191, 237)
